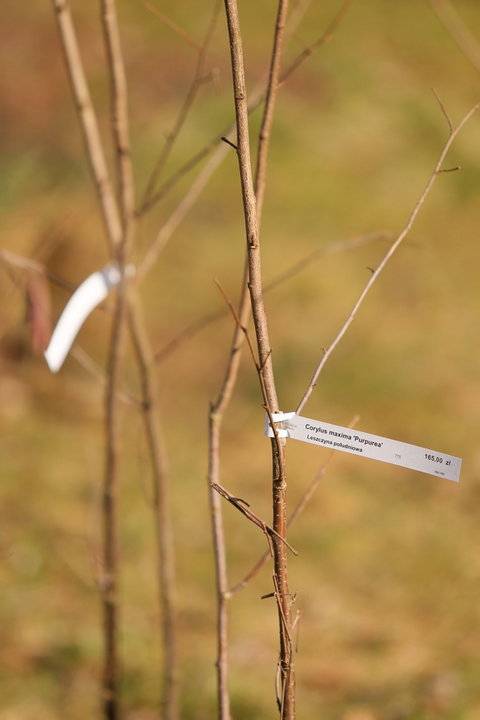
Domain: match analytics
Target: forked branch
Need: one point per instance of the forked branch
(244, 508)
(187, 103)
(219, 406)
(266, 374)
(254, 102)
(299, 508)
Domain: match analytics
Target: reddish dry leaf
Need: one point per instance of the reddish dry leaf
(39, 311)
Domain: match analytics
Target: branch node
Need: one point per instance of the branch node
(240, 500)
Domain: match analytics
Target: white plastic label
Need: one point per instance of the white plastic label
(366, 445)
(86, 297)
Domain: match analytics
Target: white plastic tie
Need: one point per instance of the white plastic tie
(277, 418)
(86, 297)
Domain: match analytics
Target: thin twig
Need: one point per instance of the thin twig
(444, 110)
(216, 415)
(229, 142)
(270, 102)
(242, 330)
(187, 103)
(198, 325)
(322, 40)
(297, 14)
(336, 247)
(95, 371)
(254, 102)
(173, 26)
(437, 170)
(163, 530)
(179, 213)
(242, 506)
(174, 179)
(230, 377)
(458, 30)
(20, 262)
(299, 508)
(119, 112)
(188, 333)
(220, 558)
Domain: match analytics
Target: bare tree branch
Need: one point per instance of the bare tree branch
(186, 105)
(179, 213)
(14, 260)
(117, 238)
(120, 125)
(270, 102)
(88, 122)
(243, 507)
(218, 408)
(26, 264)
(418, 205)
(300, 507)
(254, 102)
(119, 129)
(198, 325)
(322, 40)
(266, 373)
(96, 372)
(173, 26)
(458, 30)
(162, 515)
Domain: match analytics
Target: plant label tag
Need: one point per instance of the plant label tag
(367, 445)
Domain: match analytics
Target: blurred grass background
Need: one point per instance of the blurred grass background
(388, 574)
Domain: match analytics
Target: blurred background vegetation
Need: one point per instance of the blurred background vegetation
(388, 574)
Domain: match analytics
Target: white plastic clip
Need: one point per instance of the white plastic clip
(277, 417)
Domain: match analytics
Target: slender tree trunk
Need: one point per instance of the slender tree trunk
(286, 699)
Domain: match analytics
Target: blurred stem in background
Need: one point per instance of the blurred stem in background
(120, 232)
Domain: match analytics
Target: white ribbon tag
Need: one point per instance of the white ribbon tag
(86, 297)
(366, 445)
